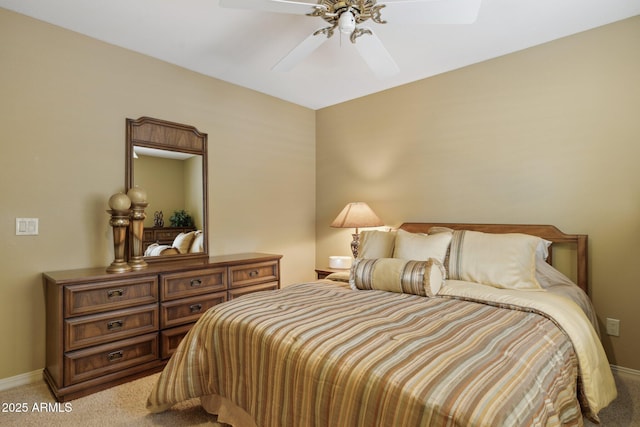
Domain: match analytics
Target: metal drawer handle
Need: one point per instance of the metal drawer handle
(253, 273)
(116, 355)
(115, 324)
(195, 308)
(112, 293)
(196, 282)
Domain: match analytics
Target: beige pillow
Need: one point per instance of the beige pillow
(182, 242)
(423, 278)
(439, 229)
(501, 260)
(197, 245)
(418, 246)
(339, 276)
(376, 244)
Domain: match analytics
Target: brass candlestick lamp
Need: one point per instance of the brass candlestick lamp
(138, 198)
(119, 204)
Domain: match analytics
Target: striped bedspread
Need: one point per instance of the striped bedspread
(320, 354)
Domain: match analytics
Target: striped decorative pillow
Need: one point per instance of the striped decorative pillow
(423, 278)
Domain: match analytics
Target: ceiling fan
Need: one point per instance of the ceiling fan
(345, 16)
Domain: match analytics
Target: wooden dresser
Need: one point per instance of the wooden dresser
(106, 329)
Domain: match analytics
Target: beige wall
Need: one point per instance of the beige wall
(547, 135)
(164, 181)
(63, 103)
(194, 203)
(172, 184)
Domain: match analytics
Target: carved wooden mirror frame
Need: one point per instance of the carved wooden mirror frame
(164, 135)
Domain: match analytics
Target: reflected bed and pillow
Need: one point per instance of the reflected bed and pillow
(184, 243)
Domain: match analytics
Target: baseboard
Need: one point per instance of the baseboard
(22, 379)
(624, 370)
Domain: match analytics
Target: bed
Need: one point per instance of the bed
(435, 325)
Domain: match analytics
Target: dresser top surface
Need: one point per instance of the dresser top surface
(100, 273)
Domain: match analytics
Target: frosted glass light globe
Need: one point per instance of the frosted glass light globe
(347, 22)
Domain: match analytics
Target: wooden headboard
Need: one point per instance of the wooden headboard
(547, 232)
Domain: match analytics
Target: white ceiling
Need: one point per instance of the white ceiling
(241, 46)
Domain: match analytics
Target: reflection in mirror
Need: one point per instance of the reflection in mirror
(168, 160)
(173, 182)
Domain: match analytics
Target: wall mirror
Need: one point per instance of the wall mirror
(169, 161)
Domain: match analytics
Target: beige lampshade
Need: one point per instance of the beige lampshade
(356, 215)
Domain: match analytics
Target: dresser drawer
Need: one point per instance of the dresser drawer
(147, 234)
(166, 235)
(238, 292)
(190, 283)
(93, 362)
(251, 274)
(171, 338)
(114, 325)
(188, 310)
(99, 297)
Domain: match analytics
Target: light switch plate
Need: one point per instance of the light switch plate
(26, 226)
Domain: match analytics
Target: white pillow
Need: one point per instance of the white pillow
(542, 250)
(421, 247)
(156, 249)
(500, 260)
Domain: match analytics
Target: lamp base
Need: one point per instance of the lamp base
(355, 244)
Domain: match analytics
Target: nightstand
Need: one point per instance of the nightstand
(324, 272)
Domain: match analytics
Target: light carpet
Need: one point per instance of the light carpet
(124, 405)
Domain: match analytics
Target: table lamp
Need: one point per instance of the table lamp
(356, 215)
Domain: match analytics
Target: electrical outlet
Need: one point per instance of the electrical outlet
(613, 327)
(26, 226)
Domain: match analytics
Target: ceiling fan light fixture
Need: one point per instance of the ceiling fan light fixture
(347, 22)
(347, 17)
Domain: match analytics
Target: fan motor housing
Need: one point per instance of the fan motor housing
(362, 9)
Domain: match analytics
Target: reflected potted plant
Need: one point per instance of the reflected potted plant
(181, 218)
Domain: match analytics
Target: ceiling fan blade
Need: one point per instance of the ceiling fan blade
(300, 52)
(279, 6)
(376, 56)
(430, 11)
